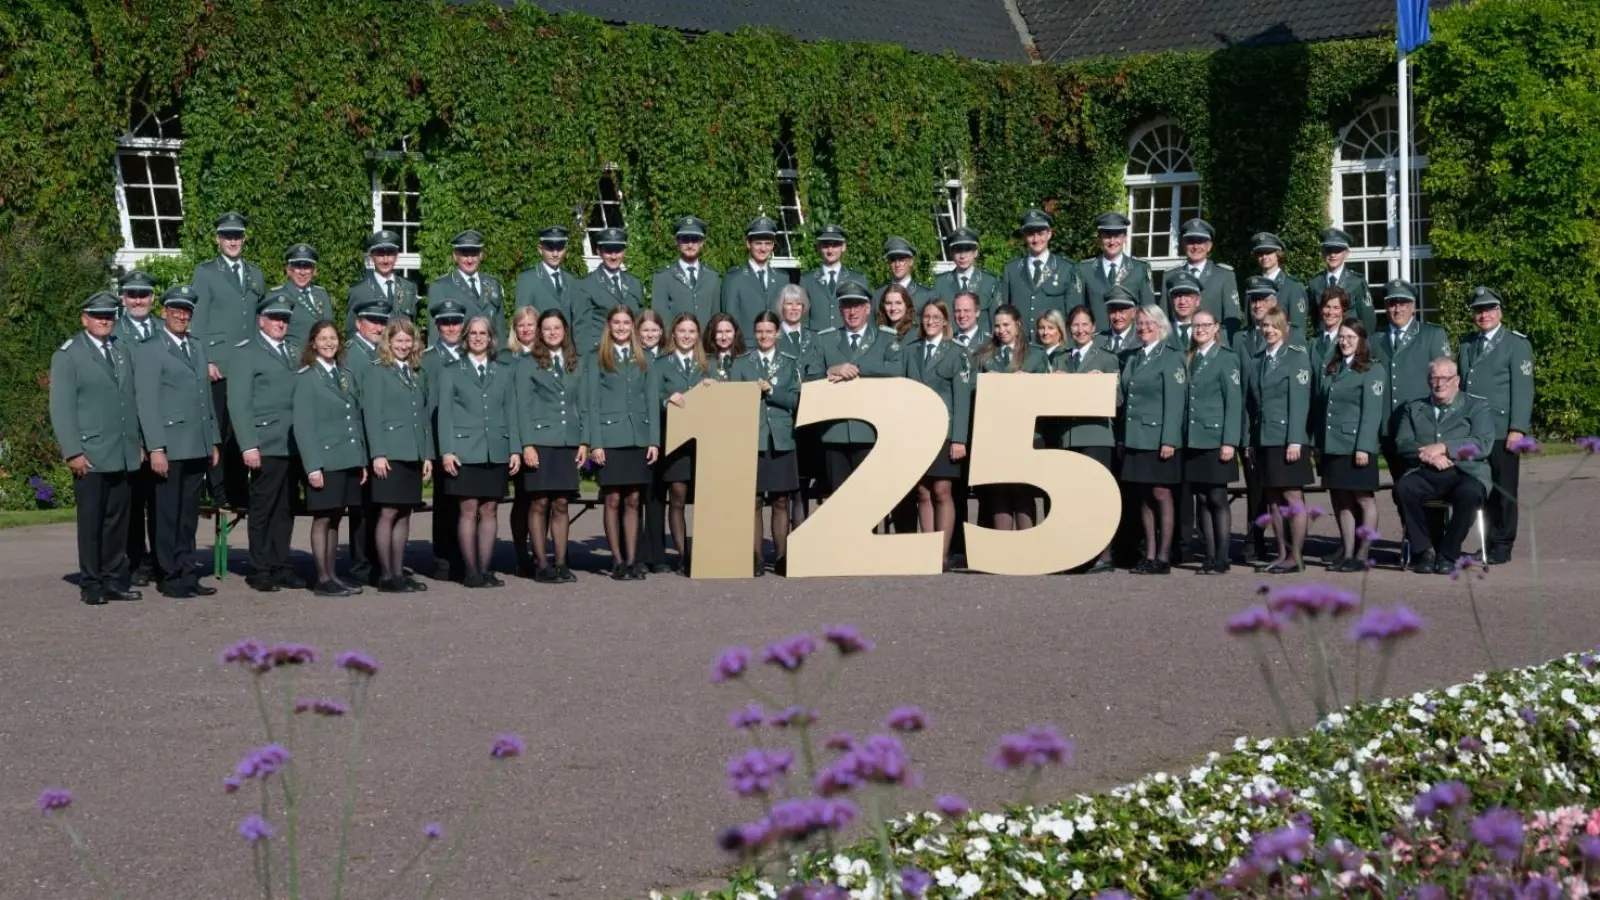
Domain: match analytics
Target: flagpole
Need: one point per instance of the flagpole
(1405, 168)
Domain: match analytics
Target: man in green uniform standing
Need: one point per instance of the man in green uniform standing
(821, 285)
(261, 399)
(1040, 281)
(1113, 267)
(902, 259)
(1406, 348)
(227, 290)
(382, 281)
(855, 350)
(1219, 288)
(372, 319)
(478, 292)
(451, 318)
(609, 285)
(1335, 249)
(1269, 252)
(686, 285)
(967, 276)
(1497, 365)
(752, 289)
(543, 285)
(96, 423)
(135, 326)
(1431, 433)
(311, 304)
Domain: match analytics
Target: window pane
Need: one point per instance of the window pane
(170, 229)
(391, 209)
(133, 169)
(140, 202)
(163, 168)
(1188, 201)
(169, 201)
(145, 235)
(408, 239)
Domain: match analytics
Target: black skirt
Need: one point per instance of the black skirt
(403, 487)
(677, 467)
(1276, 472)
(1147, 467)
(943, 466)
(625, 467)
(840, 461)
(477, 481)
(1340, 473)
(1207, 467)
(557, 472)
(777, 471)
(341, 489)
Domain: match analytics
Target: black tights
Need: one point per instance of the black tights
(1216, 520)
(936, 509)
(1012, 508)
(622, 523)
(476, 533)
(1353, 508)
(391, 534)
(1157, 512)
(677, 500)
(1290, 505)
(325, 543)
(779, 520)
(553, 506)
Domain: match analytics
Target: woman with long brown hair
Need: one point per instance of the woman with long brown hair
(1009, 507)
(897, 312)
(1349, 410)
(332, 446)
(549, 419)
(619, 435)
(679, 370)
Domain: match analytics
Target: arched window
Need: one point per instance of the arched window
(603, 210)
(149, 191)
(1163, 191)
(1365, 201)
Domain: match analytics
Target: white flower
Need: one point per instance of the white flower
(1216, 843)
(968, 885)
(990, 822)
(1198, 839)
(1155, 843)
(978, 849)
(1056, 826)
(766, 889)
(1085, 822)
(1116, 852)
(1078, 882)
(1033, 886)
(945, 876)
(1569, 696)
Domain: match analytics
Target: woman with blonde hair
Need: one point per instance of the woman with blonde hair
(619, 435)
(396, 411)
(523, 337)
(477, 416)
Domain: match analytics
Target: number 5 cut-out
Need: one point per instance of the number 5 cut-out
(1085, 502)
(837, 538)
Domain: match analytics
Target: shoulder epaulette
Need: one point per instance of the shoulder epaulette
(787, 355)
(829, 330)
(1296, 347)
(65, 345)
(274, 290)
(888, 329)
(1221, 265)
(1519, 334)
(243, 343)
(302, 369)
(1474, 397)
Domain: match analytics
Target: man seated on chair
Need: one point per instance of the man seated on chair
(1447, 439)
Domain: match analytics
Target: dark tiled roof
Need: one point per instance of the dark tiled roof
(978, 29)
(1075, 29)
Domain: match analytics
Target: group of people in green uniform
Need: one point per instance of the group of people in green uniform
(260, 394)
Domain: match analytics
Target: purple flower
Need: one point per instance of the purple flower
(1112, 895)
(846, 639)
(1590, 848)
(1367, 533)
(1289, 845)
(1445, 795)
(1470, 744)
(880, 759)
(915, 882)
(1525, 444)
(1468, 452)
(322, 707)
(262, 762)
(814, 890)
(1263, 520)
(729, 664)
(1315, 512)
(356, 661)
(1429, 891)
(841, 741)
(1500, 831)
(432, 831)
(795, 716)
(1040, 745)
(43, 492)
(1312, 600)
(1384, 626)
(790, 653)
(951, 805)
(1253, 620)
(249, 653)
(231, 784)
(506, 746)
(291, 655)
(748, 716)
(746, 839)
(906, 719)
(754, 773)
(1589, 444)
(254, 828)
(51, 799)
(1528, 716)
(1541, 887)
(798, 819)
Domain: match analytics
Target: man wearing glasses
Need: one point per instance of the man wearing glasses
(1447, 438)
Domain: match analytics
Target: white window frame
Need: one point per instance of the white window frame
(130, 255)
(956, 210)
(407, 259)
(787, 174)
(591, 256)
(1389, 165)
(1175, 180)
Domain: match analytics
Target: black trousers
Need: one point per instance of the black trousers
(521, 500)
(364, 538)
(1500, 507)
(229, 480)
(1130, 531)
(1464, 493)
(446, 544)
(1255, 503)
(102, 507)
(271, 518)
(177, 519)
(653, 538)
(142, 519)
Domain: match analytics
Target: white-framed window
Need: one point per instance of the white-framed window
(1365, 202)
(791, 219)
(149, 190)
(949, 213)
(1163, 191)
(397, 204)
(602, 210)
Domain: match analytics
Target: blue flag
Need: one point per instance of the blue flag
(1414, 30)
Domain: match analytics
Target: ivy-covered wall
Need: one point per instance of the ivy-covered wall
(512, 114)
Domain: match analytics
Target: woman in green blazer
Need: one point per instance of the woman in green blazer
(800, 342)
(777, 467)
(333, 448)
(620, 434)
(1278, 408)
(675, 373)
(521, 338)
(1349, 410)
(724, 343)
(655, 343)
(1009, 507)
(938, 362)
(400, 442)
(1154, 393)
(549, 419)
(477, 412)
(1091, 437)
(1215, 419)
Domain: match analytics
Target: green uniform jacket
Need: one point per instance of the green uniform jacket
(1292, 298)
(491, 304)
(1249, 344)
(359, 354)
(1278, 397)
(537, 289)
(1216, 400)
(592, 298)
(398, 414)
(618, 410)
(369, 288)
(92, 404)
(477, 419)
(824, 308)
(1058, 287)
(1501, 372)
(1033, 361)
(667, 377)
(1133, 274)
(802, 345)
(261, 395)
(1130, 343)
(1467, 420)
(982, 282)
(310, 306)
(1321, 349)
(1087, 431)
(176, 412)
(743, 297)
(878, 354)
(1406, 363)
(1178, 339)
(1219, 295)
(671, 295)
(225, 310)
(949, 373)
(329, 430)
(129, 335)
(777, 405)
(548, 411)
(1360, 298)
(435, 360)
(1154, 395)
(1351, 410)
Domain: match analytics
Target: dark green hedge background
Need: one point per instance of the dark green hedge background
(513, 113)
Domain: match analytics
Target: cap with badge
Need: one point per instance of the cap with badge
(1333, 240)
(1259, 286)
(1198, 230)
(1119, 297)
(101, 305)
(1266, 242)
(300, 255)
(689, 228)
(231, 223)
(384, 241)
(275, 306)
(1181, 282)
(1399, 290)
(851, 290)
(1112, 222)
(1483, 298)
(374, 310)
(611, 239)
(1036, 220)
(468, 241)
(962, 239)
(830, 234)
(554, 236)
(179, 296)
(137, 282)
(447, 310)
(761, 228)
(897, 248)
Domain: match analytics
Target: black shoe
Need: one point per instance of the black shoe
(1352, 564)
(660, 568)
(1425, 563)
(490, 579)
(415, 585)
(393, 586)
(1445, 566)
(441, 571)
(780, 567)
(621, 573)
(179, 592)
(333, 588)
(1157, 567)
(546, 575)
(202, 590)
(92, 598)
(636, 572)
(350, 585)
(1219, 566)
(264, 585)
(1334, 560)
(291, 581)
(140, 577)
(1205, 567)
(123, 596)
(526, 569)
(760, 569)
(1141, 567)
(1100, 566)
(472, 580)
(1281, 567)
(566, 575)
(1499, 556)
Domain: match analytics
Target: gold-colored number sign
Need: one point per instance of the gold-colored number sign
(724, 422)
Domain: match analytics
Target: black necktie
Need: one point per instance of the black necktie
(1005, 357)
(305, 297)
(110, 360)
(283, 351)
(482, 369)
(962, 339)
(1038, 270)
(964, 280)
(183, 344)
(927, 351)
(556, 277)
(472, 282)
(238, 275)
(1111, 272)
(405, 373)
(624, 353)
(1116, 343)
(694, 277)
(688, 364)
(762, 274)
(833, 279)
(855, 341)
(388, 289)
